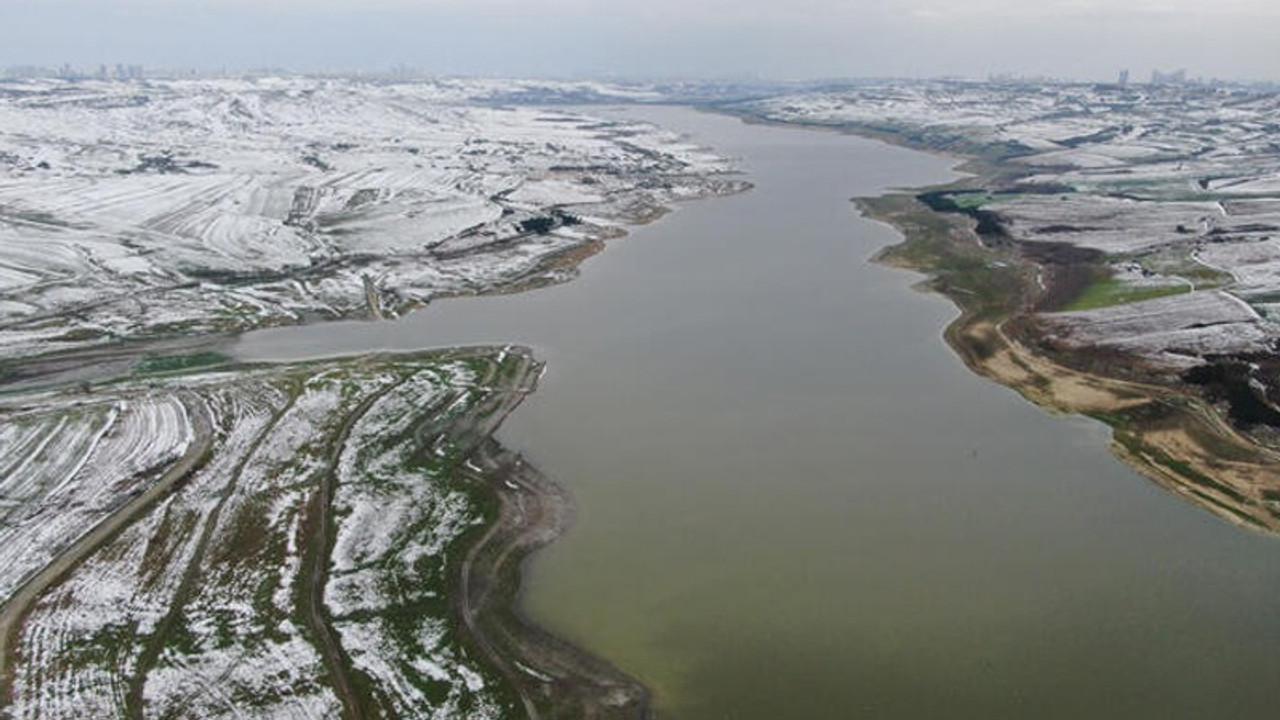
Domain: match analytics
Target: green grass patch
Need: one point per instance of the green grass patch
(971, 200)
(154, 364)
(82, 334)
(1177, 262)
(982, 281)
(1180, 468)
(1107, 292)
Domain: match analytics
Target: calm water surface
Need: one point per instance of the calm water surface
(795, 502)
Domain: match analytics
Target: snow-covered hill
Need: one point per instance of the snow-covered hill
(131, 209)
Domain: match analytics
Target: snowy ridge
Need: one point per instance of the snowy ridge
(198, 607)
(392, 547)
(186, 206)
(62, 473)
(1174, 187)
(1177, 329)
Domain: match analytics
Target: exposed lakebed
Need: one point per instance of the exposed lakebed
(794, 501)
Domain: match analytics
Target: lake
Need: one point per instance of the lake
(795, 502)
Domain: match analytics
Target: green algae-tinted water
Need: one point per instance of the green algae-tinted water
(795, 502)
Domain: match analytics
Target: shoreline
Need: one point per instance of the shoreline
(1164, 430)
(1175, 439)
(550, 676)
(116, 357)
(482, 569)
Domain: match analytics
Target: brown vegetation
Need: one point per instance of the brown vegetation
(1168, 429)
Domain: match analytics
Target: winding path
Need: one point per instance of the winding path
(15, 610)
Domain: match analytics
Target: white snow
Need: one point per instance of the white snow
(242, 185)
(1177, 329)
(232, 535)
(62, 472)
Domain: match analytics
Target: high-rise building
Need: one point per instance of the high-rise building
(1177, 77)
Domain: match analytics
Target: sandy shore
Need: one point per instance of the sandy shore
(551, 677)
(1165, 430)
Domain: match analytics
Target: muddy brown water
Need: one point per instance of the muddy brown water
(795, 502)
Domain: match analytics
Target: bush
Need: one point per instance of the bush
(541, 225)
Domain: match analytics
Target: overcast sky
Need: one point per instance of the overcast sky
(775, 39)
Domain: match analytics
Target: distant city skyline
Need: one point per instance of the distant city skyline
(801, 39)
(121, 71)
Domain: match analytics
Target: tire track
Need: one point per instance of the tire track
(15, 611)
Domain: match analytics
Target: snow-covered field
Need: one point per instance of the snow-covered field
(1178, 330)
(198, 606)
(273, 542)
(1182, 183)
(140, 208)
(143, 209)
(62, 472)
(391, 550)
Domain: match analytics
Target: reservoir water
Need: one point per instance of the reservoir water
(795, 502)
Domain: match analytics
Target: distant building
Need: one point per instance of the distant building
(1123, 80)
(1177, 77)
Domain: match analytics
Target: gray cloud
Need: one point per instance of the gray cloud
(797, 38)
